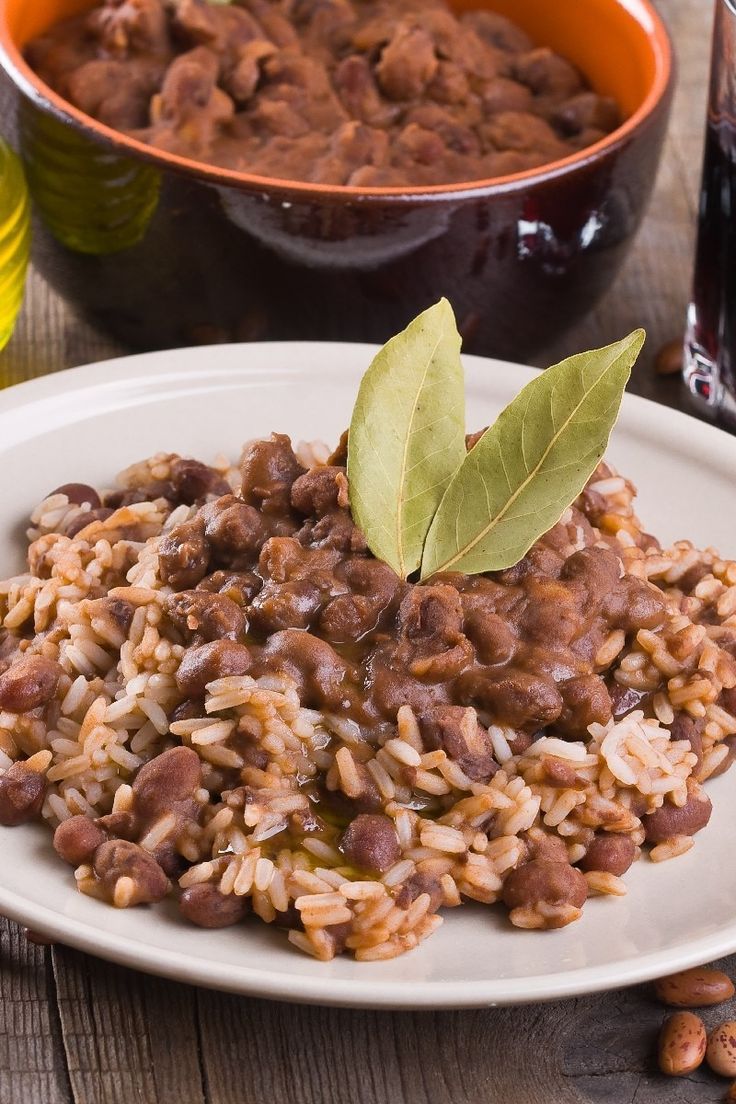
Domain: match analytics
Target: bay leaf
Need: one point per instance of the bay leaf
(527, 468)
(407, 437)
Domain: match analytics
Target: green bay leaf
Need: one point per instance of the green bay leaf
(531, 464)
(407, 437)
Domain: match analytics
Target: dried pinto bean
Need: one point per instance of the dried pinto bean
(682, 1044)
(720, 1053)
(699, 987)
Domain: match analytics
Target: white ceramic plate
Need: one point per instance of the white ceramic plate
(86, 424)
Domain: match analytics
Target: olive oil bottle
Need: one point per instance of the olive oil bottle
(15, 239)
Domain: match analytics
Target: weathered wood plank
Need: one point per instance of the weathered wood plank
(128, 1038)
(32, 1060)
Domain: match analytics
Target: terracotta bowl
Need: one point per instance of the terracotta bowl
(164, 251)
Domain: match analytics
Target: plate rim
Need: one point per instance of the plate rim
(366, 992)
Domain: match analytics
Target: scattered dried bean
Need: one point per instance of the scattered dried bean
(682, 1044)
(696, 988)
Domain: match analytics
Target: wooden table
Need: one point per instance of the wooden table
(73, 1029)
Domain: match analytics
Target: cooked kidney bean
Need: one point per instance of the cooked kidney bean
(78, 494)
(324, 678)
(77, 524)
(634, 605)
(167, 783)
(685, 727)
(232, 527)
(699, 987)
(29, 683)
(77, 839)
(22, 791)
(335, 530)
(586, 701)
(116, 609)
(291, 605)
(625, 700)
(214, 660)
(320, 490)
(586, 110)
(117, 859)
(186, 710)
(240, 586)
(370, 842)
(206, 616)
(682, 1044)
(514, 697)
(493, 638)
(349, 617)
(609, 851)
(184, 555)
(269, 468)
(456, 731)
(544, 845)
(672, 820)
(727, 762)
(193, 481)
(554, 883)
(206, 907)
(415, 886)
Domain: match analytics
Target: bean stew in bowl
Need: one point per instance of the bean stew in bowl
(283, 169)
(344, 691)
(389, 93)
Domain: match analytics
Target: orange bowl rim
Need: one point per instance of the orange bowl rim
(45, 97)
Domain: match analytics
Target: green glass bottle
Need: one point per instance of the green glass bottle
(15, 239)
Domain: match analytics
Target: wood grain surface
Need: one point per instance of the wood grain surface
(74, 1030)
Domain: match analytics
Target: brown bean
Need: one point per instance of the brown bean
(672, 820)
(233, 528)
(118, 859)
(720, 1053)
(77, 839)
(210, 616)
(84, 519)
(30, 682)
(668, 361)
(698, 987)
(682, 1044)
(370, 842)
(184, 554)
(540, 880)
(731, 1094)
(193, 480)
(610, 851)
(21, 794)
(214, 660)
(167, 783)
(206, 907)
(79, 493)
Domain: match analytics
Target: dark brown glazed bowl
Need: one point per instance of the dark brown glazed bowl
(163, 251)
